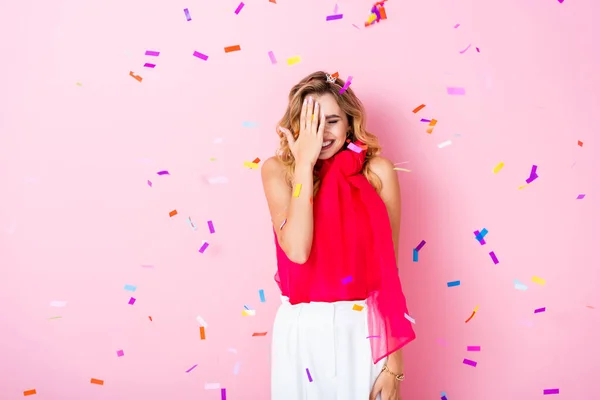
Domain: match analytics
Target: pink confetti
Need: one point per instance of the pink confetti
(456, 26)
(132, 301)
(581, 196)
(456, 91)
(467, 48)
(272, 58)
(239, 8)
(203, 247)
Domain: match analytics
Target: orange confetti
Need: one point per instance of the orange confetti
(150, 318)
(259, 334)
(202, 333)
(29, 392)
(433, 122)
(256, 160)
(335, 75)
(429, 130)
(580, 143)
(173, 213)
(138, 78)
(97, 381)
(272, 1)
(229, 49)
(416, 110)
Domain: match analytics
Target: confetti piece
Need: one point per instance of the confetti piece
(481, 235)
(173, 213)
(54, 317)
(334, 17)
(433, 122)
(150, 183)
(259, 334)
(212, 386)
(456, 91)
(191, 224)
(472, 315)
(456, 26)
(425, 120)
(200, 55)
(539, 310)
(131, 301)
(120, 353)
(211, 227)
(202, 333)
(223, 394)
(347, 280)
(256, 160)
(203, 247)
(58, 303)
(78, 83)
(29, 392)
(538, 280)
(335, 9)
(218, 180)
(473, 348)
(239, 8)
(229, 49)
(147, 266)
(552, 391)
(130, 288)
(187, 14)
(261, 294)
(346, 85)
(149, 65)
(443, 398)
(416, 110)
(293, 60)
(163, 173)
(519, 285)
(402, 169)
(470, 362)
(420, 246)
(532, 175)
(193, 366)
(272, 57)
(580, 143)
(310, 379)
(444, 144)
(415, 255)
(248, 313)
(282, 224)
(236, 367)
(354, 148)
(494, 258)
(467, 48)
(411, 319)
(97, 381)
(453, 283)
(297, 189)
(137, 77)
(152, 53)
(580, 197)
(150, 318)
(357, 307)
(201, 321)
(250, 165)
(498, 167)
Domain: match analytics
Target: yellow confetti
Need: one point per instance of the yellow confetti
(212, 159)
(538, 280)
(476, 309)
(402, 169)
(250, 164)
(357, 307)
(522, 187)
(293, 60)
(79, 84)
(498, 167)
(297, 190)
(248, 313)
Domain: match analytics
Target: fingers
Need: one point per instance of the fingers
(309, 114)
(303, 114)
(315, 119)
(322, 123)
(288, 135)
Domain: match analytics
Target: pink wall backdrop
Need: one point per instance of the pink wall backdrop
(84, 216)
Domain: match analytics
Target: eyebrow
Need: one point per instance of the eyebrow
(332, 116)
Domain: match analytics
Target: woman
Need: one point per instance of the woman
(335, 208)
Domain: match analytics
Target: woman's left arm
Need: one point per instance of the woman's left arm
(390, 194)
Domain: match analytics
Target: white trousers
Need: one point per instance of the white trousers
(320, 351)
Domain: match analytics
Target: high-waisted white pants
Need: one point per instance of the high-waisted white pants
(320, 351)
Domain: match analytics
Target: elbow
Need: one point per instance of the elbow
(298, 257)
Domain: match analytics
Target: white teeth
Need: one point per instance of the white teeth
(327, 143)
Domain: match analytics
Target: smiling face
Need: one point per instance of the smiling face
(336, 126)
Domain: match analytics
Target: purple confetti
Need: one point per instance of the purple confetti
(494, 258)
(150, 183)
(420, 246)
(470, 362)
(272, 58)
(581, 196)
(163, 173)
(560, 1)
(479, 237)
(132, 301)
(148, 65)
(533, 174)
(346, 85)
(473, 348)
(211, 227)
(347, 280)
(310, 379)
(194, 366)
(239, 8)
(425, 120)
(187, 14)
(456, 91)
(552, 391)
(223, 394)
(152, 53)
(120, 353)
(539, 310)
(465, 50)
(477, 48)
(334, 17)
(444, 398)
(203, 247)
(456, 26)
(200, 55)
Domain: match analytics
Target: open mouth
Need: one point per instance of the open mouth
(327, 145)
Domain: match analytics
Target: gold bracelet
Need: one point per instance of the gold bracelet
(399, 377)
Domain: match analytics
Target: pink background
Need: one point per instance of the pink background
(79, 221)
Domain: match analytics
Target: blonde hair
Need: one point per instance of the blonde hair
(316, 83)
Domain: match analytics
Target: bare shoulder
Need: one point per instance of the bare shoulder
(383, 168)
(272, 167)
